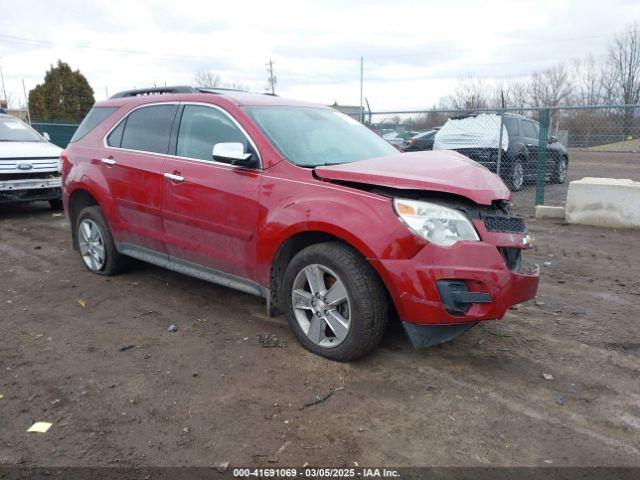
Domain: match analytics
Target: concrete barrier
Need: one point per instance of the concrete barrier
(545, 211)
(604, 202)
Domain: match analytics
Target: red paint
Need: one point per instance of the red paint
(235, 219)
(439, 171)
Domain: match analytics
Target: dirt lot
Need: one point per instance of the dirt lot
(582, 164)
(210, 393)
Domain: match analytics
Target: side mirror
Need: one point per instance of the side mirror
(553, 139)
(233, 152)
(46, 136)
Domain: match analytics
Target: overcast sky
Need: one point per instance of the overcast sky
(414, 51)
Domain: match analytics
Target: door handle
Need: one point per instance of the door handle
(108, 161)
(173, 177)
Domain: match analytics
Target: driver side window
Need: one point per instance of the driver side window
(201, 127)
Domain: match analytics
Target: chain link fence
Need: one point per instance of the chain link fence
(59, 132)
(536, 151)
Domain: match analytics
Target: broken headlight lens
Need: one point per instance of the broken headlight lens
(435, 223)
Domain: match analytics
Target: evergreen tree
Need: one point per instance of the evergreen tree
(65, 95)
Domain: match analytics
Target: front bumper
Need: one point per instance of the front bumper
(29, 184)
(413, 283)
(30, 190)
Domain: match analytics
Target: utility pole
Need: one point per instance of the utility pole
(361, 93)
(26, 99)
(4, 91)
(271, 85)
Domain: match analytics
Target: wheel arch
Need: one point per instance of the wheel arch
(294, 243)
(79, 199)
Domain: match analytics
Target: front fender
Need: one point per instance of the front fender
(367, 222)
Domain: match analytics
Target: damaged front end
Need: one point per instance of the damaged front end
(422, 336)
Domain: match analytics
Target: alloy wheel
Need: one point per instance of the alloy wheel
(91, 245)
(562, 170)
(321, 305)
(518, 176)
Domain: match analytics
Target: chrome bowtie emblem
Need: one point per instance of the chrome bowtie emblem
(25, 166)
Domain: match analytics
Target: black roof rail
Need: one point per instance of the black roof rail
(218, 89)
(177, 89)
(155, 91)
(222, 90)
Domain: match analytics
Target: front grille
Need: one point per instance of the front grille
(512, 257)
(37, 164)
(496, 223)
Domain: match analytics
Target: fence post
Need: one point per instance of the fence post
(542, 156)
(499, 160)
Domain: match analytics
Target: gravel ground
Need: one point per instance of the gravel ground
(93, 356)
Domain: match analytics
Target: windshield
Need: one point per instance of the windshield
(311, 136)
(15, 130)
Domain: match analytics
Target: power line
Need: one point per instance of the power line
(49, 44)
(513, 44)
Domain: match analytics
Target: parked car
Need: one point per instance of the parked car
(29, 164)
(299, 204)
(477, 137)
(420, 141)
(397, 139)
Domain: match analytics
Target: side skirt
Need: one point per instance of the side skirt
(192, 269)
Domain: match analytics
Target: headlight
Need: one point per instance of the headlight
(435, 223)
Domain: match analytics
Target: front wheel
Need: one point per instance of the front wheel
(516, 175)
(560, 173)
(335, 302)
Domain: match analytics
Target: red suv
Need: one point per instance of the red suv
(300, 204)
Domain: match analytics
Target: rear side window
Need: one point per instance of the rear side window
(201, 128)
(512, 126)
(148, 128)
(115, 137)
(94, 118)
(529, 130)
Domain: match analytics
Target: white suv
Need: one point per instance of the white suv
(29, 164)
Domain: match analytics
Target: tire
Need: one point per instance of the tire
(111, 262)
(516, 175)
(560, 171)
(55, 204)
(365, 310)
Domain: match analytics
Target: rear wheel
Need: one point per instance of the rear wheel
(96, 245)
(336, 305)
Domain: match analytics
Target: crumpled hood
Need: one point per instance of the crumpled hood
(439, 171)
(28, 150)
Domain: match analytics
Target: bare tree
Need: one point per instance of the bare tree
(623, 59)
(205, 79)
(587, 80)
(470, 94)
(608, 90)
(211, 80)
(514, 92)
(551, 87)
(519, 93)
